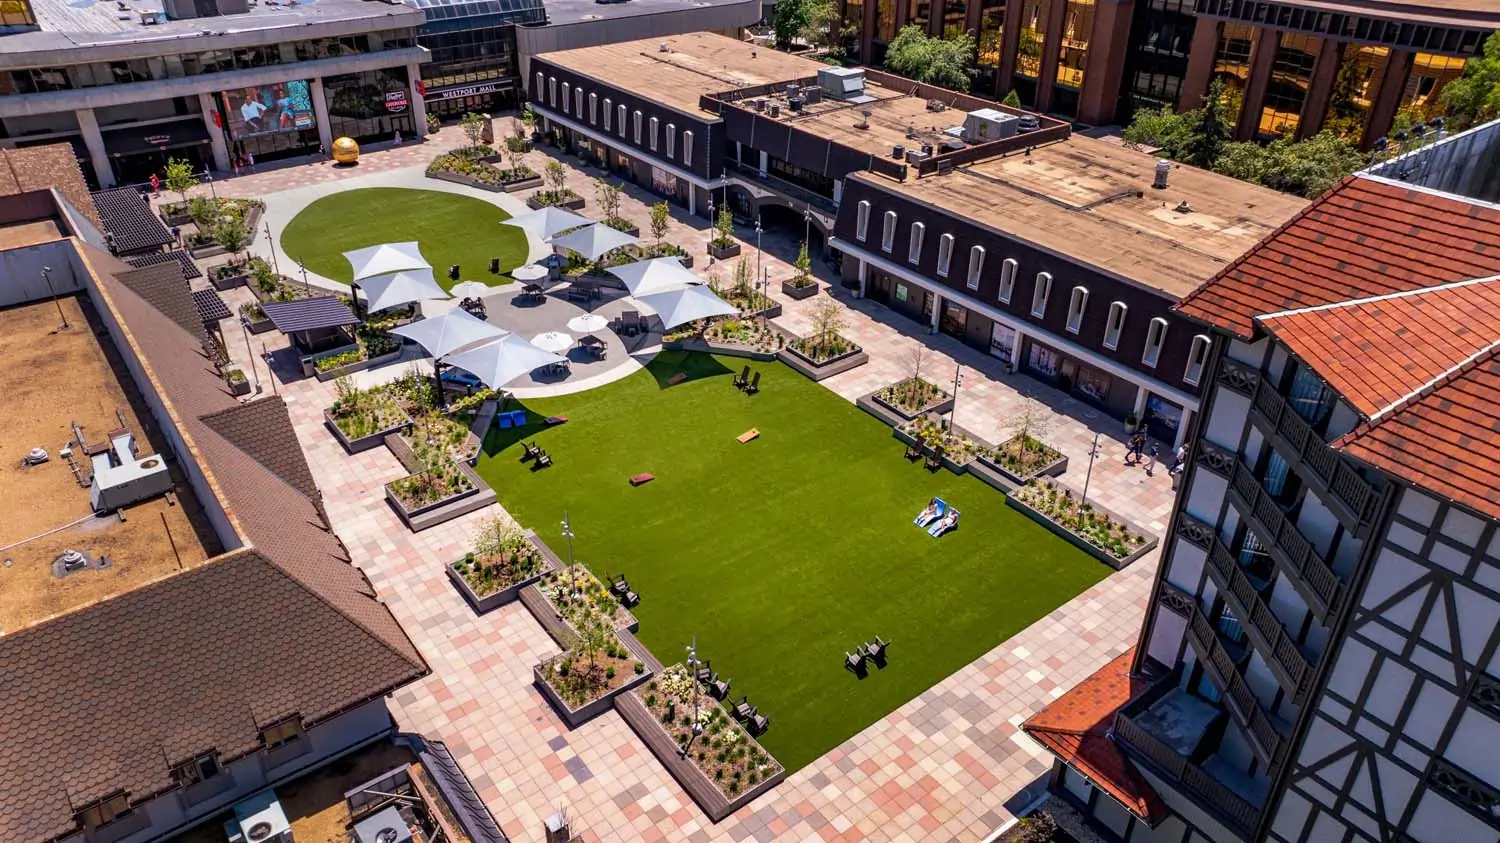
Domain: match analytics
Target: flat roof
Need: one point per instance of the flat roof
(698, 63)
(893, 115)
(52, 379)
(67, 25)
(17, 235)
(1092, 201)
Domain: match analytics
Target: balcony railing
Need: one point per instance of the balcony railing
(1243, 706)
(1292, 550)
(1353, 499)
(1265, 630)
(1197, 784)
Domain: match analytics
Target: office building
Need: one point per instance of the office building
(1320, 660)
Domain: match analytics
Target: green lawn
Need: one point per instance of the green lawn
(781, 554)
(451, 228)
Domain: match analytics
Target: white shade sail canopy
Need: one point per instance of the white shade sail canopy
(386, 259)
(547, 222)
(398, 288)
(443, 335)
(678, 307)
(594, 242)
(657, 275)
(498, 363)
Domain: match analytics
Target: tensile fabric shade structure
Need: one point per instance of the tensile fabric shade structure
(679, 307)
(443, 335)
(547, 222)
(385, 259)
(502, 361)
(594, 242)
(657, 275)
(397, 288)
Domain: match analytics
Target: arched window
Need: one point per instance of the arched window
(637, 127)
(888, 232)
(1008, 279)
(976, 266)
(552, 90)
(654, 125)
(687, 149)
(594, 109)
(1155, 336)
(1076, 303)
(914, 246)
(1041, 293)
(1197, 359)
(945, 254)
(671, 140)
(609, 113)
(1116, 324)
(862, 221)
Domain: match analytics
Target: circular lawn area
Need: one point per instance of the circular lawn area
(451, 228)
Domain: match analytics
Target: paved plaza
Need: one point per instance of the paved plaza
(949, 765)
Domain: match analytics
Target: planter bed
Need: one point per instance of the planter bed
(633, 231)
(725, 349)
(725, 253)
(950, 464)
(510, 593)
(210, 250)
(309, 363)
(540, 605)
(228, 282)
(826, 369)
(895, 416)
(493, 187)
(178, 218)
(792, 291)
(575, 717)
(419, 518)
(1013, 480)
(1077, 540)
(366, 442)
(257, 326)
(574, 204)
(523, 184)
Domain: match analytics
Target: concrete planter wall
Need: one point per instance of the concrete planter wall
(523, 184)
(509, 594)
(576, 717)
(1054, 469)
(772, 312)
(951, 465)
(363, 443)
(718, 348)
(828, 368)
(725, 252)
(1082, 544)
(893, 415)
(574, 204)
(447, 509)
(209, 250)
(239, 387)
(257, 326)
(309, 367)
(792, 291)
(179, 217)
(228, 282)
(492, 187)
(633, 231)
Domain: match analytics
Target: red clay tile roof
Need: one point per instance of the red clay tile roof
(1365, 237)
(1444, 439)
(1075, 728)
(1377, 352)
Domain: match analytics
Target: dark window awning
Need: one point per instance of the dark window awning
(155, 137)
(290, 317)
(210, 307)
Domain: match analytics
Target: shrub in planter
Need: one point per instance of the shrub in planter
(360, 412)
(502, 556)
(1081, 519)
(912, 394)
(238, 383)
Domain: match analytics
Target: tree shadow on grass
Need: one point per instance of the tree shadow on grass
(666, 367)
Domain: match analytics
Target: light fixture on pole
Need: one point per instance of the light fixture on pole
(807, 224)
(697, 728)
(209, 177)
(47, 277)
(270, 241)
(758, 231)
(249, 357)
(1093, 454)
(713, 227)
(567, 530)
(958, 380)
(302, 266)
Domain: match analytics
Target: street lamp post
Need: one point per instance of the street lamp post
(209, 177)
(302, 266)
(250, 357)
(692, 651)
(567, 529)
(276, 265)
(1087, 475)
(47, 277)
(713, 227)
(758, 231)
(958, 380)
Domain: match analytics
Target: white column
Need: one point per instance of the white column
(98, 156)
(320, 113)
(864, 276)
(1015, 351)
(739, 152)
(937, 309)
(418, 104)
(838, 192)
(215, 134)
(692, 195)
(1182, 428)
(1140, 400)
(765, 163)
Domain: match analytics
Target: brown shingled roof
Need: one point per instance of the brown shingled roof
(163, 287)
(1075, 727)
(108, 697)
(48, 166)
(1365, 237)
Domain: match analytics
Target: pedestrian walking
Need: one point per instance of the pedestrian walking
(1179, 461)
(155, 185)
(398, 137)
(1136, 443)
(1151, 464)
(250, 161)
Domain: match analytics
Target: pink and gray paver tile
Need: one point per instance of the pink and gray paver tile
(941, 767)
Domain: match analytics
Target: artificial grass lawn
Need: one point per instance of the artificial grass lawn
(782, 554)
(451, 228)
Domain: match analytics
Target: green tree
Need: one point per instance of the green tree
(724, 227)
(180, 177)
(1475, 96)
(231, 234)
(1346, 117)
(1012, 99)
(661, 218)
(1163, 128)
(946, 62)
(803, 265)
(1207, 130)
(789, 19)
(1307, 168)
(473, 126)
(557, 176)
(608, 197)
(1039, 828)
(822, 25)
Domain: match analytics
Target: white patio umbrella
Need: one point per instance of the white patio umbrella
(553, 341)
(547, 222)
(530, 272)
(471, 288)
(594, 241)
(588, 323)
(502, 361)
(398, 288)
(443, 335)
(385, 259)
(657, 275)
(678, 307)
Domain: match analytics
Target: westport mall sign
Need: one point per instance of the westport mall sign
(468, 91)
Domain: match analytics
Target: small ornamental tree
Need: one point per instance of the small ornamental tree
(557, 177)
(724, 227)
(827, 320)
(473, 126)
(661, 218)
(1012, 99)
(1029, 423)
(180, 177)
(608, 197)
(803, 265)
(231, 234)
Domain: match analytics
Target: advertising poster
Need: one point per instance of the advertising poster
(268, 109)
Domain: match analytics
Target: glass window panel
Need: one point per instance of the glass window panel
(1232, 63)
(1291, 76)
(991, 33)
(1033, 37)
(1429, 75)
(1078, 26)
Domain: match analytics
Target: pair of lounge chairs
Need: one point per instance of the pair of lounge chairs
(747, 384)
(620, 588)
(748, 714)
(933, 457)
(858, 660)
(533, 453)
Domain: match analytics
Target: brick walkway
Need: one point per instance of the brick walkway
(948, 765)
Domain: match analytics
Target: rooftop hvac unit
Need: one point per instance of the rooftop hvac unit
(794, 104)
(812, 94)
(841, 83)
(122, 478)
(385, 826)
(791, 90)
(987, 124)
(898, 151)
(775, 109)
(760, 104)
(260, 819)
(917, 156)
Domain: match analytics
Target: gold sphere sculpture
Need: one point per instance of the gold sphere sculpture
(345, 151)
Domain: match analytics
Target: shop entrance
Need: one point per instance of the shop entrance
(137, 167)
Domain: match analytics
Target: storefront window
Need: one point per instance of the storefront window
(1429, 75)
(1043, 360)
(1291, 75)
(1163, 418)
(1232, 64)
(885, 20)
(1360, 74)
(1093, 383)
(918, 12)
(954, 319)
(1033, 37)
(1073, 51)
(372, 105)
(990, 42)
(1002, 341)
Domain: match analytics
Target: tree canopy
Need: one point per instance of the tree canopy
(945, 62)
(1475, 96)
(789, 19)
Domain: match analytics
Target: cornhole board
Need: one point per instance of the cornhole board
(748, 436)
(552, 420)
(641, 479)
(677, 379)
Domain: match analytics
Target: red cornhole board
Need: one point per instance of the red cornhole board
(640, 479)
